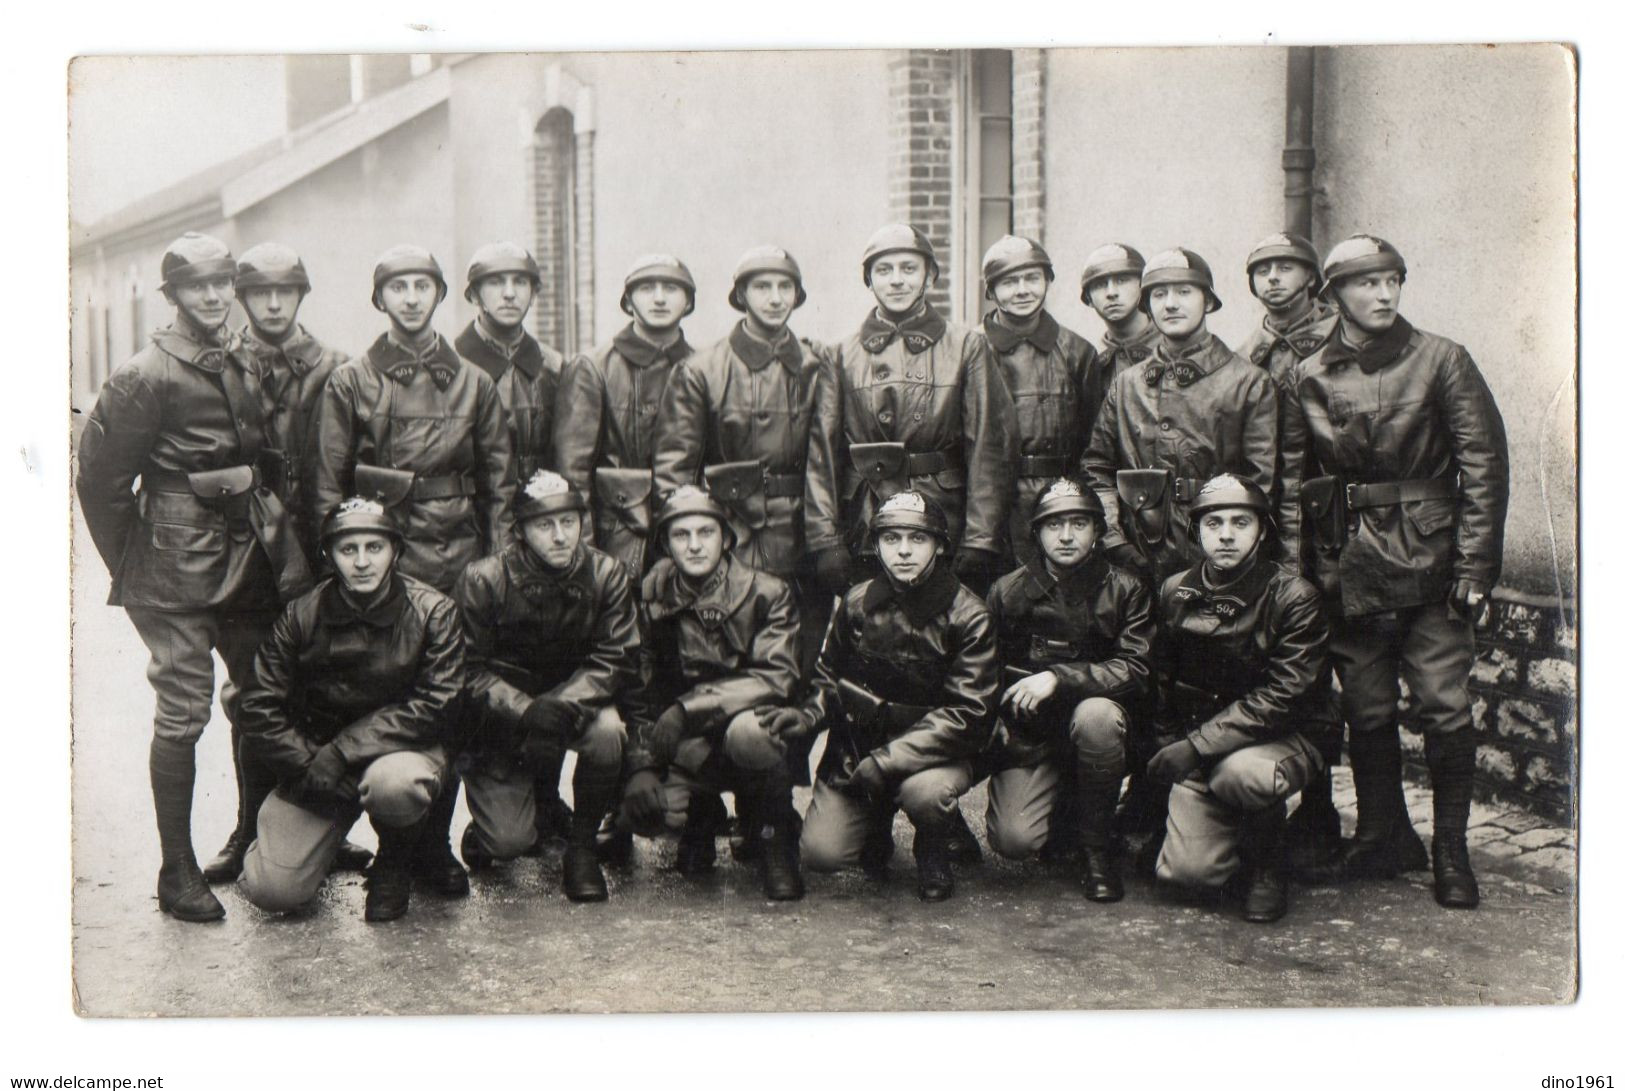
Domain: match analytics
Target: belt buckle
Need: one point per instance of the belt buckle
(1348, 495)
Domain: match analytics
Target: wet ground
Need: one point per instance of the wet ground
(1017, 936)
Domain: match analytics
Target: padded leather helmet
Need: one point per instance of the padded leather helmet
(1177, 266)
(764, 259)
(898, 237)
(691, 500)
(1109, 260)
(500, 257)
(1064, 496)
(271, 265)
(909, 510)
(1360, 254)
(399, 261)
(1009, 254)
(544, 494)
(1230, 491)
(657, 267)
(194, 257)
(359, 513)
(1284, 245)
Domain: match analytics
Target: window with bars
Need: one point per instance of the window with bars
(987, 184)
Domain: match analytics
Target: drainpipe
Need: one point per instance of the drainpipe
(1298, 156)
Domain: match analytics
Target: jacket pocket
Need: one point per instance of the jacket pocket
(181, 538)
(1429, 517)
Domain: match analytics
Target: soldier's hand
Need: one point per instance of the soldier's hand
(833, 568)
(1025, 696)
(645, 799)
(1470, 599)
(325, 770)
(543, 731)
(667, 732)
(784, 723)
(1174, 762)
(867, 782)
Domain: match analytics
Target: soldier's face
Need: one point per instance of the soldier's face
(410, 301)
(1229, 536)
(272, 310)
(1370, 300)
(206, 302)
(1067, 539)
(1279, 281)
(899, 279)
(553, 537)
(363, 560)
(907, 553)
(659, 304)
(769, 299)
(1115, 298)
(1022, 293)
(695, 544)
(1178, 309)
(504, 298)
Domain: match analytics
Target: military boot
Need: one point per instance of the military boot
(553, 815)
(697, 845)
(351, 857)
(963, 848)
(777, 830)
(1450, 759)
(1314, 833)
(389, 879)
(254, 784)
(583, 876)
(1384, 843)
(934, 865)
(1095, 800)
(433, 865)
(474, 855)
(182, 891)
(1262, 833)
(878, 845)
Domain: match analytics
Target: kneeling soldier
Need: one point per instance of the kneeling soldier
(553, 638)
(722, 648)
(1075, 632)
(906, 685)
(352, 704)
(1244, 704)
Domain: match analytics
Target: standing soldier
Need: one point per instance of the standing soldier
(1075, 640)
(1394, 445)
(293, 369)
(606, 446)
(1111, 285)
(906, 685)
(502, 281)
(721, 651)
(1192, 410)
(203, 556)
(411, 424)
(1052, 374)
(923, 408)
(552, 642)
(1244, 700)
(352, 708)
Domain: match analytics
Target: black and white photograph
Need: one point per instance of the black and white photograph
(1060, 527)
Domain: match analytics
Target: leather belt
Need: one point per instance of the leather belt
(1041, 466)
(1384, 493)
(180, 481)
(931, 462)
(438, 488)
(1186, 488)
(783, 484)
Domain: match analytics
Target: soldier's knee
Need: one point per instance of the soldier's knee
(1261, 776)
(1099, 730)
(928, 798)
(603, 742)
(276, 889)
(821, 850)
(505, 840)
(397, 789)
(750, 746)
(1014, 840)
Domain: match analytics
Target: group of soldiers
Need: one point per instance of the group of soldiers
(963, 553)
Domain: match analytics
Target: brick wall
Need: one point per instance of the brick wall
(920, 131)
(585, 267)
(550, 162)
(1027, 141)
(1524, 704)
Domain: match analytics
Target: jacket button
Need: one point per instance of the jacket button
(1163, 425)
(885, 416)
(919, 416)
(882, 372)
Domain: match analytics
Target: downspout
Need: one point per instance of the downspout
(1298, 155)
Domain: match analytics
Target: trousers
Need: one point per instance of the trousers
(1430, 647)
(1021, 800)
(744, 753)
(181, 667)
(837, 824)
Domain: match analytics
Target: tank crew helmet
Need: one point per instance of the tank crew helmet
(271, 265)
(358, 514)
(1177, 266)
(1011, 254)
(1231, 491)
(1284, 245)
(1110, 260)
(1064, 496)
(909, 510)
(402, 260)
(764, 259)
(500, 257)
(894, 238)
(194, 257)
(546, 493)
(657, 267)
(692, 500)
(1359, 254)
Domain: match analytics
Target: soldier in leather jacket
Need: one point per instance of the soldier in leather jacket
(352, 708)
(1395, 457)
(1054, 379)
(720, 654)
(1111, 287)
(906, 686)
(1074, 634)
(553, 643)
(1244, 710)
(923, 407)
(203, 555)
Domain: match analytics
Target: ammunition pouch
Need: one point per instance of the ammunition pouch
(1326, 512)
(1146, 497)
(871, 712)
(884, 466)
(623, 494)
(388, 486)
(1041, 649)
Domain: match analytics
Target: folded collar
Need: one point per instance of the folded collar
(1042, 337)
(1377, 354)
(723, 592)
(640, 353)
(920, 602)
(757, 353)
(184, 341)
(1186, 364)
(337, 609)
(401, 364)
(1304, 337)
(922, 328)
(1074, 584)
(299, 349)
(1231, 599)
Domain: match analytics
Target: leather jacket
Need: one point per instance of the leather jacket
(572, 635)
(527, 382)
(183, 406)
(1117, 356)
(1412, 406)
(934, 387)
(373, 681)
(441, 420)
(729, 647)
(1056, 384)
(931, 646)
(1195, 412)
(1092, 629)
(1278, 350)
(743, 400)
(610, 422)
(1244, 664)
